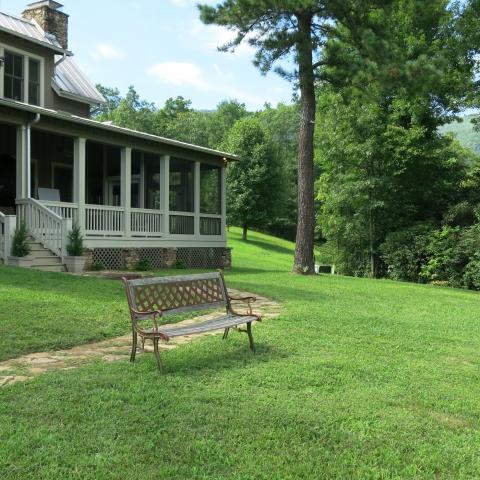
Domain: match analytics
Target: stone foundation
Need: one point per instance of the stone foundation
(128, 258)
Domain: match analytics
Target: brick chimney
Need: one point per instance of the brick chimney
(50, 18)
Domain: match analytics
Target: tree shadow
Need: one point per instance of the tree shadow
(264, 245)
(208, 361)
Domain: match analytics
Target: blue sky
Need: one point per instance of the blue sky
(162, 48)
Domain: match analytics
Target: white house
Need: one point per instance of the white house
(134, 195)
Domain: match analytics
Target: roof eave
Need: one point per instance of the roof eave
(37, 42)
(114, 128)
(77, 98)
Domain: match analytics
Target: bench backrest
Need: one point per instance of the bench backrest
(177, 294)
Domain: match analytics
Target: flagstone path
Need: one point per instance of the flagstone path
(31, 365)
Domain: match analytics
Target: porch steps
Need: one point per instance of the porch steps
(44, 259)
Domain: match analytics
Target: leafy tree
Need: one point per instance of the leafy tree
(254, 181)
(279, 29)
(385, 166)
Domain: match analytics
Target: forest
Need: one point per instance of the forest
(396, 194)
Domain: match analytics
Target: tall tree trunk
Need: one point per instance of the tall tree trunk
(244, 231)
(304, 262)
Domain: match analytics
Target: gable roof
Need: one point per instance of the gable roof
(70, 82)
(28, 30)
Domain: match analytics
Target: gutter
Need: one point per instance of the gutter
(112, 128)
(28, 151)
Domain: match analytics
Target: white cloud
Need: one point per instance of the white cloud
(179, 3)
(178, 74)
(188, 74)
(214, 36)
(107, 52)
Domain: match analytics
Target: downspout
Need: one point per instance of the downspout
(28, 150)
(64, 57)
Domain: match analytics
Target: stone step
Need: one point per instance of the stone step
(46, 262)
(51, 268)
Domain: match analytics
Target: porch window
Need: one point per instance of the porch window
(210, 189)
(181, 185)
(14, 76)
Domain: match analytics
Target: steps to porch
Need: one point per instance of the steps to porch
(44, 259)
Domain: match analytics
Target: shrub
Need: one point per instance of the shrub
(75, 242)
(404, 252)
(20, 246)
(96, 267)
(143, 265)
(180, 264)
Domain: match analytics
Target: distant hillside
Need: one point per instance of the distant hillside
(465, 133)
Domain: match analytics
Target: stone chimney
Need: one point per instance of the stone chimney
(50, 18)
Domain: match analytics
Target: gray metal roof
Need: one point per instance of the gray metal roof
(70, 82)
(29, 30)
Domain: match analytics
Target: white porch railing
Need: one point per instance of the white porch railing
(44, 226)
(146, 222)
(104, 220)
(210, 224)
(63, 209)
(182, 223)
(7, 229)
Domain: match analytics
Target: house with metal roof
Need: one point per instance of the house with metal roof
(135, 196)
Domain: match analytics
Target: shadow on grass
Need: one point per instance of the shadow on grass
(264, 245)
(203, 360)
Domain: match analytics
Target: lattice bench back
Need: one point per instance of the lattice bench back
(177, 294)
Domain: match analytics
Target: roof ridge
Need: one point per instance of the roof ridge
(25, 20)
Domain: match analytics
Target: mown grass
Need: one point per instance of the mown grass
(356, 379)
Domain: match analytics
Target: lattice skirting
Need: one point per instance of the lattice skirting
(128, 258)
(201, 257)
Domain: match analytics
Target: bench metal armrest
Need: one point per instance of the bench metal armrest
(244, 299)
(247, 300)
(154, 314)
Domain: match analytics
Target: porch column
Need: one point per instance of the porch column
(141, 187)
(223, 199)
(79, 181)
(165, 192)
(196, 199)
(126, 188)
(22, 163)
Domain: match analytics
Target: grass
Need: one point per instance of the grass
(357, 379)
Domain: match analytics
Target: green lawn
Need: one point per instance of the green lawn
(357, 379)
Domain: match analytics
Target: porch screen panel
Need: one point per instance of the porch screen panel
(152, 181)
(210, 189)
(181, 185)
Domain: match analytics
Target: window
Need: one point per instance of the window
(181, 185)
(33, 82)
(21, 76)
(14, 76)
(210, 189)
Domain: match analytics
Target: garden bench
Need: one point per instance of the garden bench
(151, 299)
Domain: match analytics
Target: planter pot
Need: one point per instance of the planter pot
(75, 264)
(24, 262)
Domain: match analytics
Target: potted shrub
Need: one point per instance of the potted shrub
(20, 249)
(75, 261)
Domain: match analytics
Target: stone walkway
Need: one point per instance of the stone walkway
(28, 366)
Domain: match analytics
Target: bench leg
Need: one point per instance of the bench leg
(157, 354)
(225, 333)
(250, 337)
(134, 346)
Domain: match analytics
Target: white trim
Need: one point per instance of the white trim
(26, 57)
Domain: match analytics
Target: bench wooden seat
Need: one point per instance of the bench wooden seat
(152, 299)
